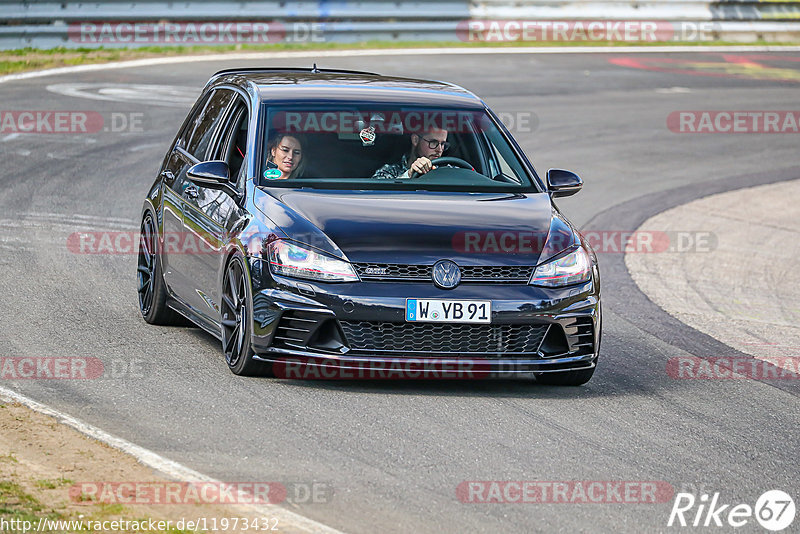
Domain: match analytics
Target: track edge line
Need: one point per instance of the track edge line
(155, 461)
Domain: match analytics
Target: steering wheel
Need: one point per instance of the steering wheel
(457, 162)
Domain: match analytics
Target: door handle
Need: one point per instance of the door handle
(190, 191)
(167, 175)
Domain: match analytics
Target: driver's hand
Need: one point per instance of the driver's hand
(421, 165)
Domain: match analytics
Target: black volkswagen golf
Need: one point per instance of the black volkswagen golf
(330, 223)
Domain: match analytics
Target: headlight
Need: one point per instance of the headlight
(574, 268)
(288, 259)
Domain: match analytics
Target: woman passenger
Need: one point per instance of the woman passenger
(286, 152)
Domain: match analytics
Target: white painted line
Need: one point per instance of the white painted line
(170, 468)
(260, 56)
(95, 217)
(76, 216)
(137, 148)
(166, 95)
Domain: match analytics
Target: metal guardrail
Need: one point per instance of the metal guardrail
(49, 36)
(47, 24)
(722, 10)
(592, 10)
(754, 10)
(38, 11)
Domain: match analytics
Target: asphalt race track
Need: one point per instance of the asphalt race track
(395, 452)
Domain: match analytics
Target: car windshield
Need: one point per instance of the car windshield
(372, 146)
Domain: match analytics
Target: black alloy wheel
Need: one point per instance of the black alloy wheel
(151, 289)
(236, 321)
(146, 265)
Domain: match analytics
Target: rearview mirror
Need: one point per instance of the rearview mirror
(563, 183)
(213, 174)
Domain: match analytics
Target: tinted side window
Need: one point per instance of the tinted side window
(183, 135)
(232, 143)
(212, 114)
(191, 121)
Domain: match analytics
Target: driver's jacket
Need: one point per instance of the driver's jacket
(390, 171)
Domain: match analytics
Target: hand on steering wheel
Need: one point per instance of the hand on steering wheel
(457, 162)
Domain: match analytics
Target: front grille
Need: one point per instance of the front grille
(469, 273)
(387, 271)
(419, 339)
(496, 273)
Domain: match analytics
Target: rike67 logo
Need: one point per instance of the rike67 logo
(774, 510)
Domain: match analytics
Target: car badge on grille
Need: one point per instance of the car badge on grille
(376, 270)
(446, 274)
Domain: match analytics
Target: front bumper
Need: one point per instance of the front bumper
(358, 330)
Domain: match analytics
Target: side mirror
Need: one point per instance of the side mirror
(211, 174)
(562, 183)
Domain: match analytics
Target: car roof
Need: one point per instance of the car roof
(298, 85)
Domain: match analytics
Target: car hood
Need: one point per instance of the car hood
(421, 227)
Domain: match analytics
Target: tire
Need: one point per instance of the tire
(151, 289)
(236, 323)
(566, 378)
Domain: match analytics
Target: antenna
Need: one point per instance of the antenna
(314, 69)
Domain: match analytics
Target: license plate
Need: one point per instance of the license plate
(448, 311)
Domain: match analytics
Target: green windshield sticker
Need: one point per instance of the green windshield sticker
(272, 174)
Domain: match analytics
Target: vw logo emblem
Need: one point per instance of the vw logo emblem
(446, 274)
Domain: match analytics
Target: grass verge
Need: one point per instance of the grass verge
(26, 59)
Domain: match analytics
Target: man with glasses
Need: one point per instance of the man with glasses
(425, 147)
